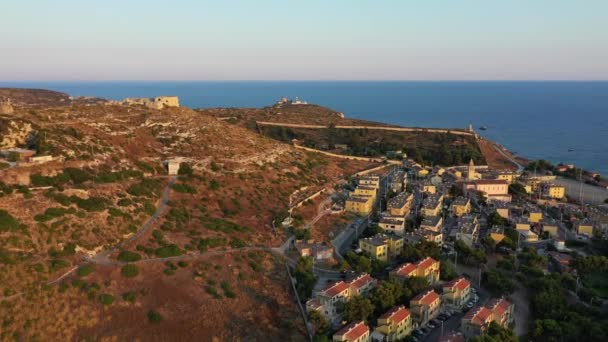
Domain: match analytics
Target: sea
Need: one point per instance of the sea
(560, 121)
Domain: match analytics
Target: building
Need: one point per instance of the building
(370, 180)
(477, 320)
(456, 293)
(560, 261)
(401, 204)
(535, 215)
(360, 205)
(424, 235)
(382, 246)
(173, 167)
(555, 191)
(584, 227)
(431, 206)
(550, 226)
(397, 181)
(433, 223)
(429, 188)
(331, 298)
(315, 250)
(159, 102)
(40, 159)
(392, 224)
(354, 332)
(502, 209)
(492, 189)
(497, 234)
(461, 206)
(509, 176)
(467, 230)
(420, 171)
(427, 268)
(362, 285)
(365, 191)
(471, 173)
(393, 326)
(522, 223)
(425, 307)
(527, 236)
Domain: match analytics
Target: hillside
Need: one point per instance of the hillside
(102, 243)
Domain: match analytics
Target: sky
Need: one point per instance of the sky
(52, 40)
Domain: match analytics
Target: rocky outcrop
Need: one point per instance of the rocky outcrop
(6, 107)
(14, 133)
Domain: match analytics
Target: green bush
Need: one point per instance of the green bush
(85, 270)
(145, 188)
(215, 185)
(128, 256)
(7, 222)
(57, 264)
(91, 203)
(130, 297)
(129, 271)
(184, 188)
(124, 202)
(154, 317)
(106, 299)
(168, 251)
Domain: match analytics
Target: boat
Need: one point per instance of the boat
(570, 150)
(483, 128)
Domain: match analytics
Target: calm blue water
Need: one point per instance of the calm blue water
(533, 119)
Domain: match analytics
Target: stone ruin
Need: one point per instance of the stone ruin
(6, 107)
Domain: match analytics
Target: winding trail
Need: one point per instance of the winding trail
(520, 168)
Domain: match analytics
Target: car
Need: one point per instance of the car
(431, 326)
(442, 317)
(435, 321)
(418, 333)
(414, 338)
(424, 331)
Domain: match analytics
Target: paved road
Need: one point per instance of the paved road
(451, 324)
(520, 168)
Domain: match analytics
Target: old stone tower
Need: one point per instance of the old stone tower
(471, 171)
(6, 107)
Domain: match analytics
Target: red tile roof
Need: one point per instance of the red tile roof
(451, 338)
(426, 298)
(405, 270)
(353, 331)
(460, 283)
(361, 281)
(426, 263)
(499, 306)
(478, 315)
(396, 314)
(488, 181)
(335, 289)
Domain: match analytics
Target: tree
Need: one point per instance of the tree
(496, 333)
(386, 295)
(305, 278)
(319, 322)
(416, 285)
(446, 271)
(497, 283)
(357, 309)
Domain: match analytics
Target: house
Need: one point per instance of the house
(392, 224)
(365, 191)
(522, 223)
(492, 189)
(370, 180)
(425, 306)
(360, 205)
(535, 215)
(436, 180)
(173, 166)
(427, 268)
(420, 171)
(502, 209)
(508, 176)
(431, 206)
(382, 246)
(467, 230)
(584, 227)
(497, 234)
(401, 204)
(362, 285)
(393, 326)
(316, 251)
(550, 226)
(354, 332)
(429, 188)
(326, 301)
(461, 206)
(555, 191)
(561, 261)
(477, 320)
(527, 236)
(433, 223)
(456, 293)
(426, 235)
(398, 181)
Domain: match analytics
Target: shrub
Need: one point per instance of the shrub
(168, 251)
(106, 299)
(215, 185)
(154, 317)
(129, 271)
(128, 256)
(146, 188)
(91, 203)
(130, 297)
(183, 188)
(124, 202)
(7, 222)
(84, 270)
(57, 264)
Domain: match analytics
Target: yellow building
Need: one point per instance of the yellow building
(425, 307)
(535, 216)
(522, 223)
(527, 236)
(551, 227)
(370, 180)
(478, 319)
(555, 191)
(429, 188)
(584, 228)
(421, 172)
(461, 206)
(401, 204)
(427, 268)
(457, 174)
(363, 190)
(431, 206)
(382, 246)
(394, 325)
(508, 176)
(354, 332)
(497, 234)
(359, 205)
(433, 223)
(456, 293)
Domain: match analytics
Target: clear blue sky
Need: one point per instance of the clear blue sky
(303, 40)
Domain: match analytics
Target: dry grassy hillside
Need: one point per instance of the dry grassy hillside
(202, 269)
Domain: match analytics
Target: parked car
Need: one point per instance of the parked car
(424, 331)
(431, 326)
(435, 321)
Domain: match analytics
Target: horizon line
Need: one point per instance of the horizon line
(308, 80)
